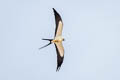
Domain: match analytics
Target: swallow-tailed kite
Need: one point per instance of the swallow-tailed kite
(57, 40)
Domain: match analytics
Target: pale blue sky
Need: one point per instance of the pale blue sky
(91, 32)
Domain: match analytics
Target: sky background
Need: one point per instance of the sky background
(91, 32)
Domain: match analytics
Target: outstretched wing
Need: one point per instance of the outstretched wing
(60, 54)
(59, 24)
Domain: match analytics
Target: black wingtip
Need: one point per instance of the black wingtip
(59, 63)
(54, 10)
(58, 68)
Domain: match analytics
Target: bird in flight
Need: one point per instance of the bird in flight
(57, 39)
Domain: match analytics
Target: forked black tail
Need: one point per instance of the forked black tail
(46, 44)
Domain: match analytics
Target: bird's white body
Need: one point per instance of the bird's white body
(57, 39)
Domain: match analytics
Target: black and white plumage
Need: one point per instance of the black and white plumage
(57, 39)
